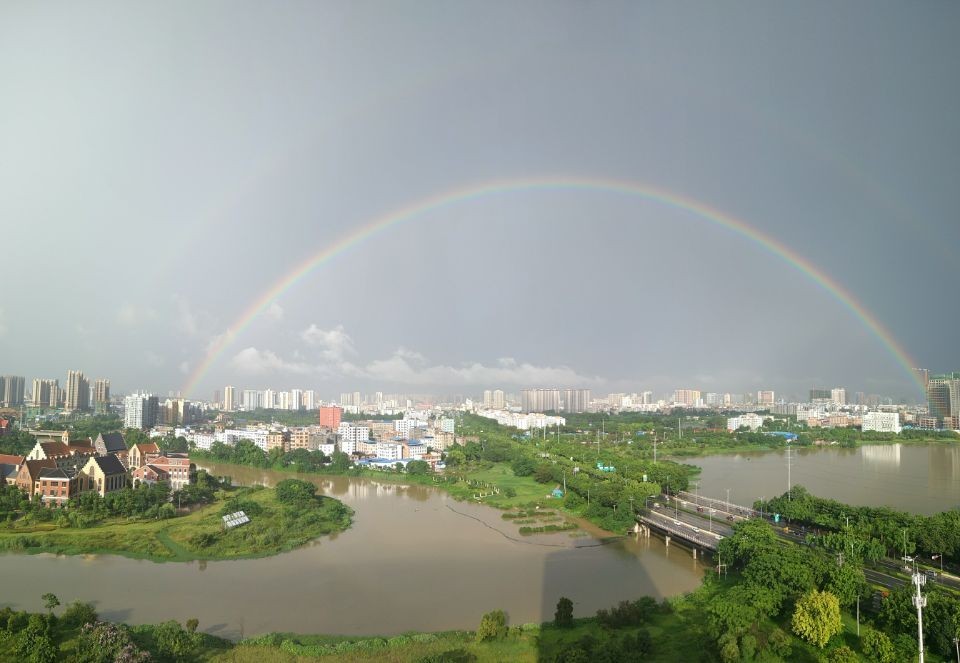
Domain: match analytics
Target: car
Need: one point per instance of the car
(696, 530)
(730, 518)
(699, 509)
(676, 522)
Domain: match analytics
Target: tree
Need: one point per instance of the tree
(79, 613)
(418, 467)
(878, 646)
(523, 466)
(173, 641)
(50, 601)
(34, 644)
(817, 617)
(493, 626)
(842, 655)
(192, 624)
(295, 491)
(563, 617)
(846, 582)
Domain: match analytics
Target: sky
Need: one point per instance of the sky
(164, 165)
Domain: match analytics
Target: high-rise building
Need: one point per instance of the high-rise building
(576, 400)
(765, 398)
(41, 392)
(269, 399)
(101, 395)
(78, 391)
(11, 390)
(943, 395)
(647, 398)
(296, 399)
(923, 376)
(140, 411)
(687, 397)
(820, 395)
(540, 400)
(838, 396)
(251, 399)
(499, 400)
(487, 398)
(330, 416)
(310, 399)
(229, 398)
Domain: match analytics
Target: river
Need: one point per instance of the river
(921, 479)
(414, 559)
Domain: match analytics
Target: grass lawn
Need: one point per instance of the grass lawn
(197, 535)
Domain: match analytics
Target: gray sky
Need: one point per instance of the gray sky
(162, 166)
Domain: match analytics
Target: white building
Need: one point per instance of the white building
(389, 450)
(883, 422)
(351, 433)
(750, 420)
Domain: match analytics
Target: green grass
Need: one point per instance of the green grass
(196, 536)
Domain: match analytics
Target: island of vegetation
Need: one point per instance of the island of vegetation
(142, 522)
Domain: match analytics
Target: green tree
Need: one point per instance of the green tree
(295, 491)
(192, 624)
(523, 466)
(50, 601)
(842, 655)
(493, 626)
(418, 467)
(878, 647)
(817, 617)
(846, 583)
(79, 613)
(563, 617)
(174, 642)
(34, 644)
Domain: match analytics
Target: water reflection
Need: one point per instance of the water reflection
(919, 478)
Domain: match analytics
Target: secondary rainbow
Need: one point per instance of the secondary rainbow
(472, 192)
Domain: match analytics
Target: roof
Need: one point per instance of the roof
(9, 459)
(53, 473)
(34, 466)
(86, 443)
(54, 449)
(147, 447)
(113, 442)
(109, 464)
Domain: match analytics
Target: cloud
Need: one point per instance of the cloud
(334, 344)
(153, 359)
(3, 327)
(189, 321)
(256, 362)
(131, 316)
(185, 367)
(274, 312)
(406, 368)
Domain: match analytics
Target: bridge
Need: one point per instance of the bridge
(727, 508)
(686, 532)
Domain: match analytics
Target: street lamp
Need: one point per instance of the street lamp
(711, 519)
(940, 557)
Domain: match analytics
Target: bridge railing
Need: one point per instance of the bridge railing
(684, 533)
(735, 510)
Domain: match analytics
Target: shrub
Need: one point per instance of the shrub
(493, 626)
(79, 613)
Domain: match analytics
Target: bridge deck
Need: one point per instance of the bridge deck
(680, 530)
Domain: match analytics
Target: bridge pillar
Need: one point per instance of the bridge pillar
(666, 540)
(694, 553)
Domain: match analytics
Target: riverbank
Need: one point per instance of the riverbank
(275, 527)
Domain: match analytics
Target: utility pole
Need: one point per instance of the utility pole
(858, 615)
(789, 478)
(564, 483)
(920, 602)
(728, 500)
(654, 448)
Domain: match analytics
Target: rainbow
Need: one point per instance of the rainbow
(500, 187)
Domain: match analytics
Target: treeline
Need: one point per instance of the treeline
(938, 534)
(776, 586)
(79, 636)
